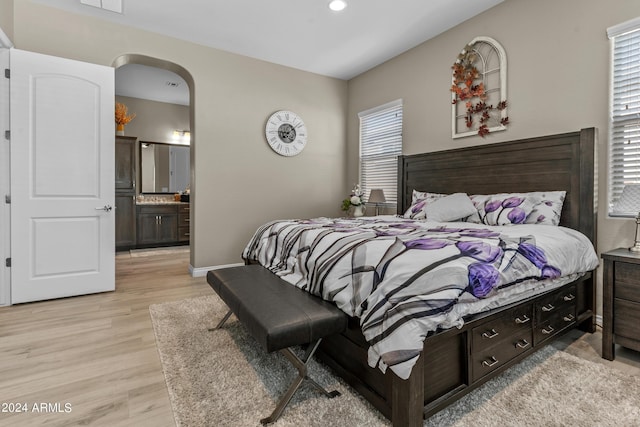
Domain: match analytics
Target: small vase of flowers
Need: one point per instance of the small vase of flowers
(354, 201)
(122, 117)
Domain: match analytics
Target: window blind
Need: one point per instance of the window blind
(624, 148)
(380, 146)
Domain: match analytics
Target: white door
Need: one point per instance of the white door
(62, 177)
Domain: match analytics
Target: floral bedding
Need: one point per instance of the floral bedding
(404, 278)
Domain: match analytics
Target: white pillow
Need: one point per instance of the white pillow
(450, 208)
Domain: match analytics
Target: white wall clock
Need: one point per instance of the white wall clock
(286, 133)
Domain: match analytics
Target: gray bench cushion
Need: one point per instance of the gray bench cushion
(277, 314)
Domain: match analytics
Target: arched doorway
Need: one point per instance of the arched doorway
(146, 61)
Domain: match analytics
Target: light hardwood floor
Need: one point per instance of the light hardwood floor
(95, 352)
(98, 353)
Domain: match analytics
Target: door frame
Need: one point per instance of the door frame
(133, 58)
(5, 164)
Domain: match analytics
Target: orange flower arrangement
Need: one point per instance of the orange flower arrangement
(122, 116)
(465, 74)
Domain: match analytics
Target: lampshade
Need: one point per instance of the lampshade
(628, 204)
(376, 196)
(629, 201)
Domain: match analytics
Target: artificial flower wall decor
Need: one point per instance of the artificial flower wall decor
(479, 89)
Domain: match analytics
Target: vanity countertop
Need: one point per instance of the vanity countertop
(162, 203)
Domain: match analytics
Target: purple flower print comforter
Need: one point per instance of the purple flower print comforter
(405, 278)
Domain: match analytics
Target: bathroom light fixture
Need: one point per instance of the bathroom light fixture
(337, 5)
(182, 136)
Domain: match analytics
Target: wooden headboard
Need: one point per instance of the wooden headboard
(547, 163)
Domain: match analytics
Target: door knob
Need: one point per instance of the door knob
(106, 208)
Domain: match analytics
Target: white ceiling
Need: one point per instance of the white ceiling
(155, 84)
(302, 34)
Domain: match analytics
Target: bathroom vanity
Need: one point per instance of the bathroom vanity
(147, 175)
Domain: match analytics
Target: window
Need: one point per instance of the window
(624, 138)
(380, 146)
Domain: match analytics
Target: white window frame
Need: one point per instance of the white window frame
(624, 122)
(388, 183)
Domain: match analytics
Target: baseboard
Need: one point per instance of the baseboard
(202, 271)
(599, 320)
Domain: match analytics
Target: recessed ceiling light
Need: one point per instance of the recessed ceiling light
(337, 5)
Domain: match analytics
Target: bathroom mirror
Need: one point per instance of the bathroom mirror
(164, 168)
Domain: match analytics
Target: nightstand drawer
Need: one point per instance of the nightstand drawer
(627, 278)
(626, 318)
(626, 272)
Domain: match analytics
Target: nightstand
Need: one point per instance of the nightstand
(620, 301)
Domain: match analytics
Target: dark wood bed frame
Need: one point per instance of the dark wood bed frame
(443, 372)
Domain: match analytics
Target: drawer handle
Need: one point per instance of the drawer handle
(548, 307)
(489, 363)
(523, 344)
(548, 330)
(524, 319)
(569, 297)
(490, 334)
(569, 318)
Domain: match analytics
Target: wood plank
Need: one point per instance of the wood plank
(96, 352)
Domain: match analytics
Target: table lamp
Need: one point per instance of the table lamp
(376, 196)
(629, 204)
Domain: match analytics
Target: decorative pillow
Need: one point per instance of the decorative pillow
(450, 208)
(548, 210)
(419, 200)
(547, 206)
(416, 210)
(503, 209)
(416, 196)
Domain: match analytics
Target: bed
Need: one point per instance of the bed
(448, 361)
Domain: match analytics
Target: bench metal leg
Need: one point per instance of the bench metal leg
(301, 366)
(224, 319)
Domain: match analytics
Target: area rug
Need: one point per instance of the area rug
(224, 378)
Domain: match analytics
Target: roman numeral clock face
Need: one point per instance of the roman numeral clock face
(286, 133)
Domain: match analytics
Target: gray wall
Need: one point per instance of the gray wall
(239, 182)
(154, 121)
(558, 81)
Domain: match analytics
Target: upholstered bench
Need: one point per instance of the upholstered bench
(278, 315)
